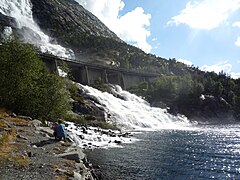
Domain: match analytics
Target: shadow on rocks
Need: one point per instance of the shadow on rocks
(44, 142)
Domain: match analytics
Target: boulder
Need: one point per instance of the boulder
(36, 123)
(76, 155)
(7, 21)
(46, 130)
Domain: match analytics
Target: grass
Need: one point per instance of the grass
(8, 136)
(3, 124)
(8, 148)
(3, 113)
(17, 121)
(64, 175)
(20, 160)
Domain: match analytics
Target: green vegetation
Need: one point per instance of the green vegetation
(102, 124)
(182, 93)
(9, 148)
(99, 84)
(72, 118)
(26, 87)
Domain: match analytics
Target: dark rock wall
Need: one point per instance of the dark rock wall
(68, 21)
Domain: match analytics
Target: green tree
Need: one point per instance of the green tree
(26, 87)
(218, 89)
(231, 98)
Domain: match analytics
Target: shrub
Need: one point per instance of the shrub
(26, 87)
(72, 118)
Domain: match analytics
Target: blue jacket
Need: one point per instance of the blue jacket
(60, 131)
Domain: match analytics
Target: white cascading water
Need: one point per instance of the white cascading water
(21, 10)
(134, 113)
(129, 113)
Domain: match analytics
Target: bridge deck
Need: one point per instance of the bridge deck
(78, 63)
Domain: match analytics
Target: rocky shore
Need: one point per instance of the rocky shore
(28, 151)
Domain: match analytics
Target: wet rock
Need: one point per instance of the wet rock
(84, 130)
(81, 136)
(117, 141)
(7, 21)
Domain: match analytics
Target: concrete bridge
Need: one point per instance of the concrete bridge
(87, 73)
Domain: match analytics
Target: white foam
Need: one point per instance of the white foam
(133, 113)
(91, 137)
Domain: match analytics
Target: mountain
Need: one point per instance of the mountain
(184, 89)
(67, 23)
(66, 20)
(76, 28)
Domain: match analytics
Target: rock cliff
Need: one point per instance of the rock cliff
(70, 24)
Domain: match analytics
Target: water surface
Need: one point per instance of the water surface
(209, 152)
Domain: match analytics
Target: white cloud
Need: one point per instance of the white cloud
(221, 66)
(131, 27)
(187, 62)
(237, 43)
(236, 24)
(206, 14)
(235, 75)
(154, 39)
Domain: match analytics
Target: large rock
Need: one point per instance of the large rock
(76, 155)
(46, 130)
(89, 108)
(36, 123)
(7, 21)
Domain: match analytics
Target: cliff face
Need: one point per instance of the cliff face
(69, 23)
(7, 21)
(67, 16)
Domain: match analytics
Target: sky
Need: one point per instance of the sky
(202, 33)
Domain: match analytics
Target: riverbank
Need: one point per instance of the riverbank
(28, 151)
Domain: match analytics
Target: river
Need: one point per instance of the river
(205, 152)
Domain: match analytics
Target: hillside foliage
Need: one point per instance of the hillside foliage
(185, 94)
(26, 87)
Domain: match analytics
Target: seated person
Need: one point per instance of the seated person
(59, 131)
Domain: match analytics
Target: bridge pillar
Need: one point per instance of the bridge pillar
(87, 74)
(105, 76)
(51, 65)
(121, 81)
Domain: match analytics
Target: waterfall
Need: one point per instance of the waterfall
(131, 112)
(21, 10)
(128, 112)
